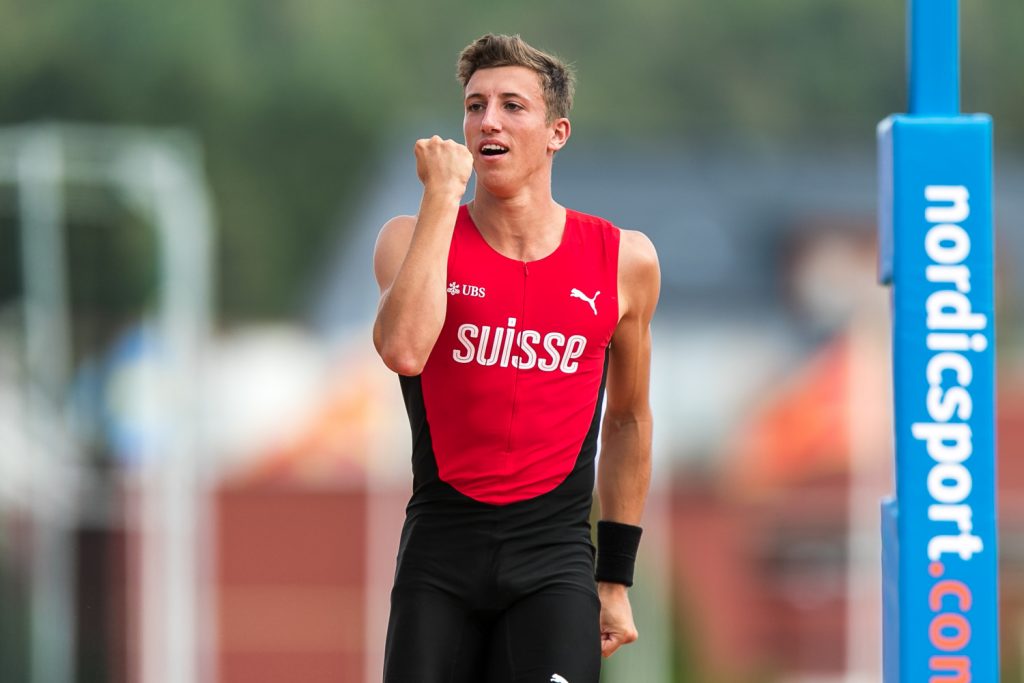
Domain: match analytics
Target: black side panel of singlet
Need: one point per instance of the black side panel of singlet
(564, 511)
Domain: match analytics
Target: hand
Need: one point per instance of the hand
(443, 164)
(617, 627)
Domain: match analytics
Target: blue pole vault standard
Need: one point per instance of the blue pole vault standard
(936, 252)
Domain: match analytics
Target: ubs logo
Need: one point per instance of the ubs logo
(466, 290)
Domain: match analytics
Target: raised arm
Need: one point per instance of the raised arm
(411, 258)
(624, 470)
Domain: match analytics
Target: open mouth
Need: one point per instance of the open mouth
(491, 150)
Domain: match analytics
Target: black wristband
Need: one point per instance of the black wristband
(617, 544)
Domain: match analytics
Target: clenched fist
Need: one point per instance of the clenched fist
(443, 163)
(617, 627)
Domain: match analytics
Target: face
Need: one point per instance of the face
(506, 127)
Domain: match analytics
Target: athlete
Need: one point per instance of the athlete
(508, 319)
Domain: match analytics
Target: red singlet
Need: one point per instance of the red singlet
(511, 388)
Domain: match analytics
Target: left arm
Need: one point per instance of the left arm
(624, 469)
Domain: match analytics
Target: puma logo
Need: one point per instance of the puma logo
(555, 678)
(577, 294)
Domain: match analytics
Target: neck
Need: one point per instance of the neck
(525, 227)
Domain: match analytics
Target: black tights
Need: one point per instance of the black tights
(549, 636)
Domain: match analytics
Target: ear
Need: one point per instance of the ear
(560, 131)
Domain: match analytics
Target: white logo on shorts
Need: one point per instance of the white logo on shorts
(555, 678)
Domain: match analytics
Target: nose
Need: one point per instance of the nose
(491, 121)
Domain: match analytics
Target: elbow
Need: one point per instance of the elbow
(633, 419)
(404, 365)
(402, 353)
(401, 360)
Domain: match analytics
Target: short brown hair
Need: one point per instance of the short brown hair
(489, 51)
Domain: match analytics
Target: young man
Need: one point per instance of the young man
(506, 319)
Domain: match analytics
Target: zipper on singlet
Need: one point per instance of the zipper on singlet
(515, 382)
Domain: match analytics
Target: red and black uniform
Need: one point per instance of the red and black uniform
(495, 568)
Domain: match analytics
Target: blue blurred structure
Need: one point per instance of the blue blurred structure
(936, 251)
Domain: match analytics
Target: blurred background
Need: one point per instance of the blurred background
(203, 464)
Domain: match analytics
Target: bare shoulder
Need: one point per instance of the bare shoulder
(639, 273)
(391, 248)
(397, 229)
(637, 254)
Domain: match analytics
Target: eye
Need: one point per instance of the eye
(474, 106)
(512, 106)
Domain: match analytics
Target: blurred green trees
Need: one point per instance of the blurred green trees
(295, 101)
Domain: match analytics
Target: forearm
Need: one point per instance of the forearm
(412, 310)
(624, 469)
(623, 477)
